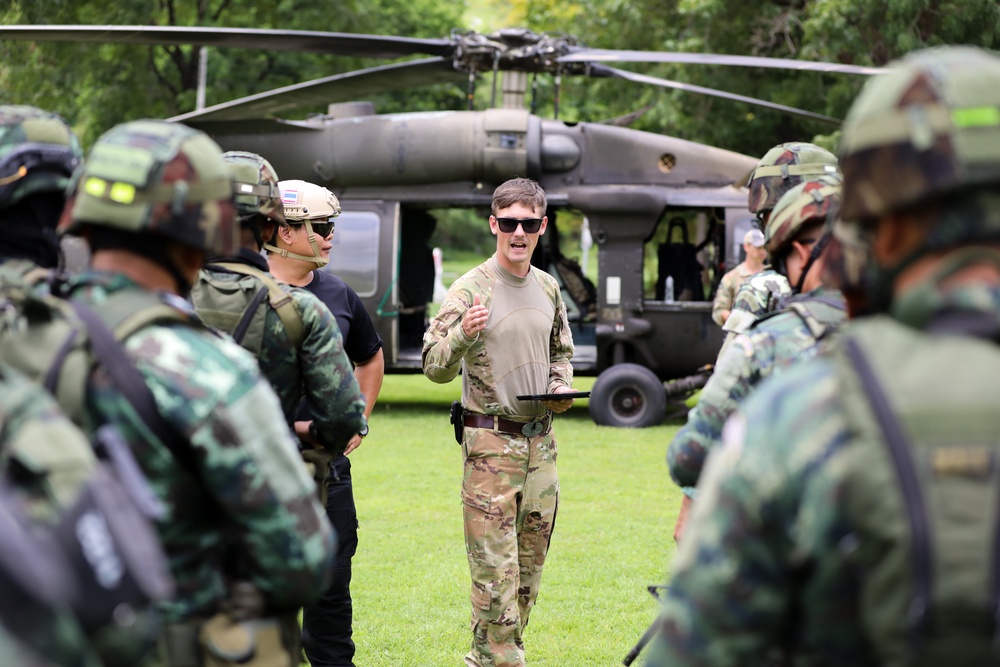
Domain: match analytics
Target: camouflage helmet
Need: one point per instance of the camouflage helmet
(159, 178)
(815, 200)
(38, 153)
(925, 129)
(255, 184)
(782, 168)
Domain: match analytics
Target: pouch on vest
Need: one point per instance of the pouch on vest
(112, 545)
(241, 634)
(35, 576)
(922, 491)
(239, 307)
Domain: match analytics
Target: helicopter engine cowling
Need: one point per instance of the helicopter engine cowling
(407, 149)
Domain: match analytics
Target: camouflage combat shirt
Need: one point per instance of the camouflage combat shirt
(758, 295)
(768, 534)
(725, 296)
(771, 345)
(525, 348)
(318, 370)
(250, 496)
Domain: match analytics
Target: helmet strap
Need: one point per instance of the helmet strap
(316, 258)
(817, 250)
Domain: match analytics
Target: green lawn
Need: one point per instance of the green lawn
(411, 581)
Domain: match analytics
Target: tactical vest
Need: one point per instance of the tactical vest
(922, 489)
(237, 306)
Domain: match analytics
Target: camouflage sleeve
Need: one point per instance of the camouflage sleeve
(723, 298)
(336, 403)
(560, 348)
(731, 381)
(445, 343)
(249, 460)
(767, 536)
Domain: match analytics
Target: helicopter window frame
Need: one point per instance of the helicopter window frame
(355, 256)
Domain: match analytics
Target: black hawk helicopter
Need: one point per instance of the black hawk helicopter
(646, 345)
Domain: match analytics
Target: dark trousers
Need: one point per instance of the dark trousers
(326, 625)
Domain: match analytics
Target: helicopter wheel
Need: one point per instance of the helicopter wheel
(628, 395)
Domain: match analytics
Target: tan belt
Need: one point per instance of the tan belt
(539, 426)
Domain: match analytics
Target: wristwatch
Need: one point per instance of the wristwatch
(363, 432)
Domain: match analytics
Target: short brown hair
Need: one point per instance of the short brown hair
(519, 191)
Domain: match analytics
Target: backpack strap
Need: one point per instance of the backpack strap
(816, 328)
(240, 332)
(280, 299)
(906, 470)
(132, 386)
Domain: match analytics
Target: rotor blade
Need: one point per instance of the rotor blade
(337, 88)
(610, 56)
(347, 44)
(601, 70)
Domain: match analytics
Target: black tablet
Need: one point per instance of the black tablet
(554, 397)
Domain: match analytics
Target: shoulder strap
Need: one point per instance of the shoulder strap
(816, 328)
(280, 300)
(916, 510)
(240, 332)
(132, 386)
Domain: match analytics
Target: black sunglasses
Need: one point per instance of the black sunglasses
(529, 225)
(323, 229)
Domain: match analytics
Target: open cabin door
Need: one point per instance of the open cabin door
(365, 255)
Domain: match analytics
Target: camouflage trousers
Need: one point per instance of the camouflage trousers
(510, 493)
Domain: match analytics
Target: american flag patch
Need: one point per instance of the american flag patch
(290, 197)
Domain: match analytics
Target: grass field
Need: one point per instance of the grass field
(411, 580)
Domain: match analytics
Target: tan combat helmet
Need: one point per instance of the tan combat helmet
(313, 206)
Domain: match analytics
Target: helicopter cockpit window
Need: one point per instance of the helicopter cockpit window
(355, 255)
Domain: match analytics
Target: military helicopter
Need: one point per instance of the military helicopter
(646, 345)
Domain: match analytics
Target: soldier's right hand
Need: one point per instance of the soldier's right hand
(475, 318)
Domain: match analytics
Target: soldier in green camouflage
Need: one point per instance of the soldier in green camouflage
(781, 169)
(38, 153)
(301, 353)
(58, 471)
(848, 518)
(153, 199)
(504, 326)
(797, 235)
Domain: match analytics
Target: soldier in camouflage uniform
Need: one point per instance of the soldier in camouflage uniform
(59, 469)
(153, 199)
(848, 517)
(781, 169)
(315, 364)
(504, 326)
(38, 153)
(797, 236)
(753, 246)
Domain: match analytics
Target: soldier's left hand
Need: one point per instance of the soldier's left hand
(354, 443)
(559, 405)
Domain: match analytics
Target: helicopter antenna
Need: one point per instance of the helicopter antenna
(202, 77)
(471, 94)
(496, 72)
(555, 101)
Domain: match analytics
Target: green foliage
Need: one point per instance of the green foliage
(96, 86)
(411, 579)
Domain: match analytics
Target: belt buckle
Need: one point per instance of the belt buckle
(533, 428)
